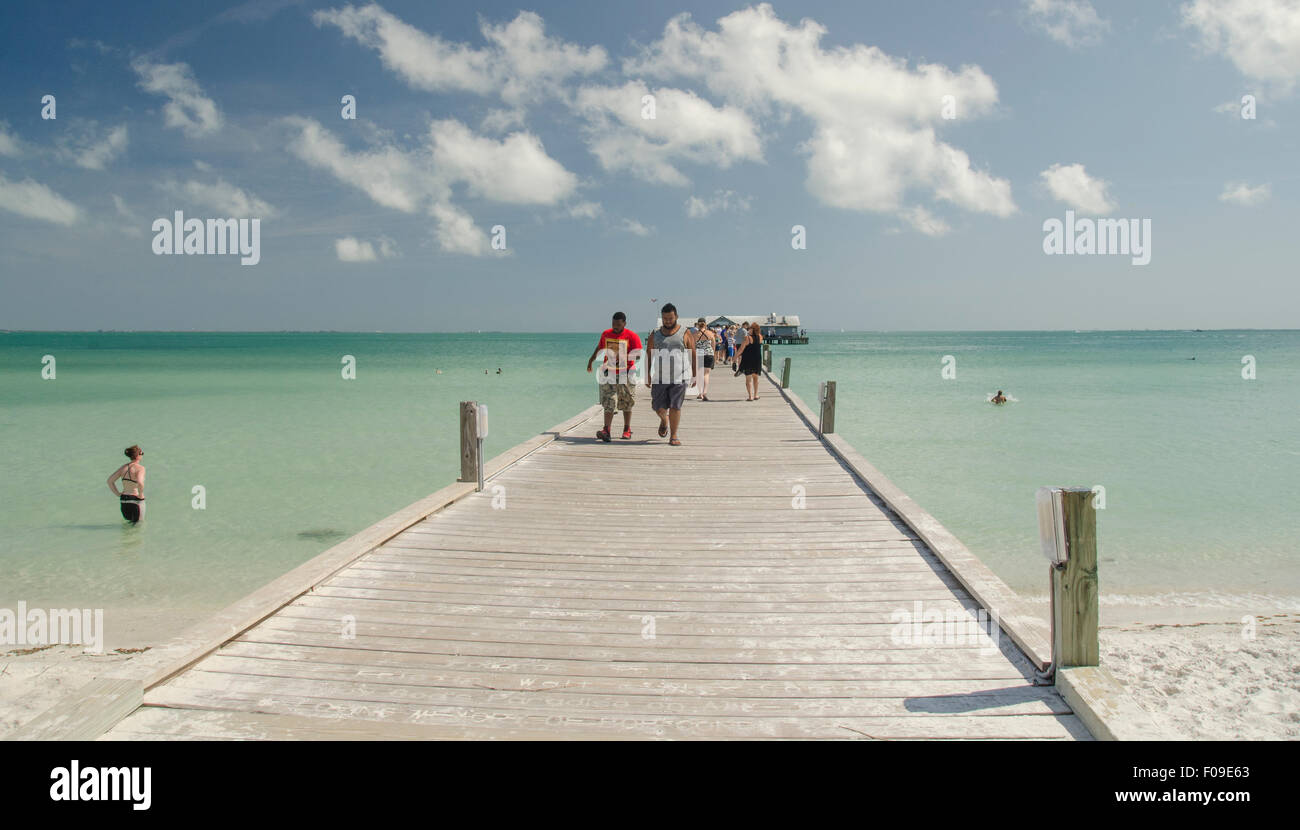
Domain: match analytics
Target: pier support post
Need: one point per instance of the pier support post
(471, 461)
(1074, 588)
(785, 374)
(767, 357)
(828, 408)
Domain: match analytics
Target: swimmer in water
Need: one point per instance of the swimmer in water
(131, 496)
(999, 397)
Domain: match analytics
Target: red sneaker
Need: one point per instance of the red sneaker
(627, 433)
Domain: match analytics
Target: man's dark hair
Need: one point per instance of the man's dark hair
(618, 315)
(667, 308)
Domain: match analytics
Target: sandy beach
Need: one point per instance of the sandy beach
(1188, 660)
(1206, 675)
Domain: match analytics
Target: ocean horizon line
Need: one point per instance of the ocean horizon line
(596, 325)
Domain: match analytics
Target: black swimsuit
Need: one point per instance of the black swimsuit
(132, 505)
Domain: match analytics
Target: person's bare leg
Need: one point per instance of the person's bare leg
(627, 420)
(674, 418)
(609, 419)
(704, 384)
(663, 417)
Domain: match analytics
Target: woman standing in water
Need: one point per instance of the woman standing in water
(132, 493)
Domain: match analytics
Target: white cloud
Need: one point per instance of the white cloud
(36, 201)
(721, 200)
(1072, 22)
(351, 249)
(134, 225)
(388, 175)
(1260, 37)
(90, 148)
(1240, 193)
(1070, 183)
(120, 204)
(514, 170)
(873, 116)
(586, 210)
(634, 227)
(10, 144)
(499, 121)
(456, 232)
(187, 108)
(685, 127)
(519, 63)
(222, 197)
(922, 220)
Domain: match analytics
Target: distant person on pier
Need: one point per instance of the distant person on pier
(741, 337)
(750, 361)
(999, 397)
(704, 348)
(670, 359)
(617, 389)
(131, 496)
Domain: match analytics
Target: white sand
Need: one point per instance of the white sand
(1211, 680)
(1183, 658)
(31, 683)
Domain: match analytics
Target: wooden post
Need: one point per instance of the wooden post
(767, 357)
(828, 409)
(469, 457)
(1074, 587)
(785, 374)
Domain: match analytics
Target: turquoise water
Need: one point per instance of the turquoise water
(1199, 465)
(1201, 468)
(293, 457)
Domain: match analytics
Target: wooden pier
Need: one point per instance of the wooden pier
(756, 582)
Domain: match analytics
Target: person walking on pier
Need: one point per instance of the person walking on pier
(617, 389)
(704, 349)
(751, 361)
(670, 358)
(742, 335)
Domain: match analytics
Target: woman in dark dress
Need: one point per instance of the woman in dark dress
(751, 361)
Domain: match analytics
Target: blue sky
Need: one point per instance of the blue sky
(825, 115)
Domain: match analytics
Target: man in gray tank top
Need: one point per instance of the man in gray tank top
(671, 361)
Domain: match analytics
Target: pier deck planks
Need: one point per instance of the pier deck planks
(533, 620)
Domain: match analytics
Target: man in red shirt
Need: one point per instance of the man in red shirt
(617, 389)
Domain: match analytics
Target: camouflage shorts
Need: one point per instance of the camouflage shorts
(617, 396)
